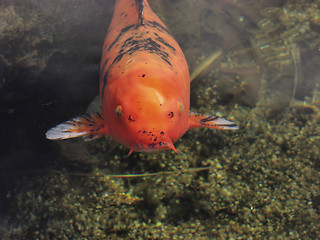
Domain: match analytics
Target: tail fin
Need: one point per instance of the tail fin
(89, 126)
(198, 120)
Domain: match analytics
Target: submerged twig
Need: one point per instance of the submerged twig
(205, 64)
(136, 174)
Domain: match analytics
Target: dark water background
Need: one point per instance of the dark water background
(49, 66)
(266, 80)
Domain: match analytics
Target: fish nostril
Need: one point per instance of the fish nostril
(170, 115)
(131, 118)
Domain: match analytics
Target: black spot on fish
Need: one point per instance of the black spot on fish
(95, 130)
(151, 145)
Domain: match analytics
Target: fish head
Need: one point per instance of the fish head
(146, 118)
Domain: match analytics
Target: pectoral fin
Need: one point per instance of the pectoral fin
(206, 121)
(89, 126)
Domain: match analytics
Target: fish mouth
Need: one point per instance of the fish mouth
(157, 143)
(152, 147)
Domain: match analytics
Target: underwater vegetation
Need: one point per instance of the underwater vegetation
(260, 182)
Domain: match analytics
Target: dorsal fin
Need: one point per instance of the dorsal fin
(140, 5)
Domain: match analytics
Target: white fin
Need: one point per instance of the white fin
(227, 124)
(64, 131)
(90, 126)
(199, 120)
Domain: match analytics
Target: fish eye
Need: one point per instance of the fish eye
(170, 115)
(119, 111)
(180, 106)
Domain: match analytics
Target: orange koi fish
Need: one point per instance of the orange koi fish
(144, 86)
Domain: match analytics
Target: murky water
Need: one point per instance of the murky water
(261, 181)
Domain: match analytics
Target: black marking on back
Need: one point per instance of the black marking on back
(103, 66)
(134, 44)
(127, 28)
(158, 26)
(160, 39)
(140, 6)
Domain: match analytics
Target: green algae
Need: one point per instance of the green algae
(262, 181)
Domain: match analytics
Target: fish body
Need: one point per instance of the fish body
(144, 86)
